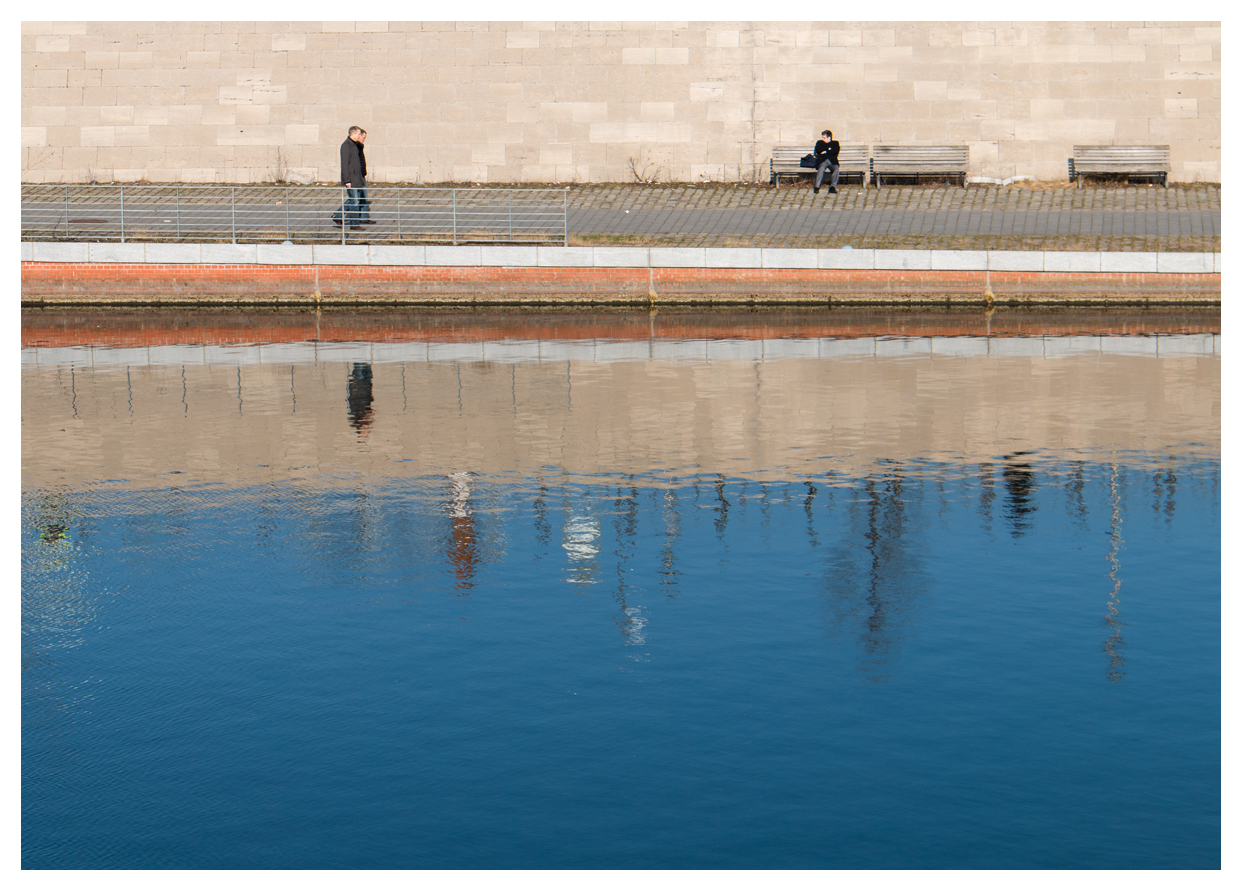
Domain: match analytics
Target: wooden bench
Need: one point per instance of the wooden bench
(1132, 160)
(854, 161)
(919, 160)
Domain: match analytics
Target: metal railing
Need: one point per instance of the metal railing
(300, 214)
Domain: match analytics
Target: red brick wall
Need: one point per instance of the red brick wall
(239, 284)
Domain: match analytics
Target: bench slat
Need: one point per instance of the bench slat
(1122, 158)
(1118, 167)
(1082, 151)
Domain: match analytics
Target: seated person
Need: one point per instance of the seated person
(826, 151)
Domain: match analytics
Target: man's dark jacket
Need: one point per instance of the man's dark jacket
(827, 149)
(353, 164)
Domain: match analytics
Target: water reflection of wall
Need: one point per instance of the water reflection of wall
(876, 572)
(855, 436)
(54, 603)
(780, 419)
(864, 545)
(57, 603)
(463, 551)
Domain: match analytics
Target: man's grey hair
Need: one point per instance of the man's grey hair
(355, 129)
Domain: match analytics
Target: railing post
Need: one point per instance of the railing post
(288, 237)
(344, 215)
(454, 216)
(66, 211)
(233, 208)
(122, 214)
(565, 216)
(178, 213)
(398, 213)
(510, 191)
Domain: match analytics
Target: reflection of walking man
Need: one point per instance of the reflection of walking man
(354, 179)
(359, 397)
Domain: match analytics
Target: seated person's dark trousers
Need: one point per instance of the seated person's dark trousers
(824, 165)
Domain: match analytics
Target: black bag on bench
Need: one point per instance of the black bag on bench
(808, 161)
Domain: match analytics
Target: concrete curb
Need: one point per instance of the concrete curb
(515, 257)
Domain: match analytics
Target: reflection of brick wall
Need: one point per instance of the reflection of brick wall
(469, 285)
(114, 327)
(565, 101)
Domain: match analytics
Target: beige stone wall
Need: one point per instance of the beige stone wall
(599, 101)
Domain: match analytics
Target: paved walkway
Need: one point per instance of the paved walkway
(997, 218)
(1018, 217)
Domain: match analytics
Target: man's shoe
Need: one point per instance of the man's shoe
(354, 228)
(832, 191)
(817, 191)
(367, 223)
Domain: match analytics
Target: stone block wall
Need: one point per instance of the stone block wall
(600, 101)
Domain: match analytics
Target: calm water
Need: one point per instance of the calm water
(471, 601)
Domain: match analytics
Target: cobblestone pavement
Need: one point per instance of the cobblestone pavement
(980, 217)
(1039, 216)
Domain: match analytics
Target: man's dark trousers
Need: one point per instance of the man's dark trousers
(357, 207)
(826, 165)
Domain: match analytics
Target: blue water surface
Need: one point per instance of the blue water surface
(1005, 665)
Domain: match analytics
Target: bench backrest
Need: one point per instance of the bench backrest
(1121, 158)
(920, 158)
(785, 158)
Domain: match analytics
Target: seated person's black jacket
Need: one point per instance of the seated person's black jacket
(828, 149)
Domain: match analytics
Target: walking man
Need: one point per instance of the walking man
(826, 151)
(354, 212)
